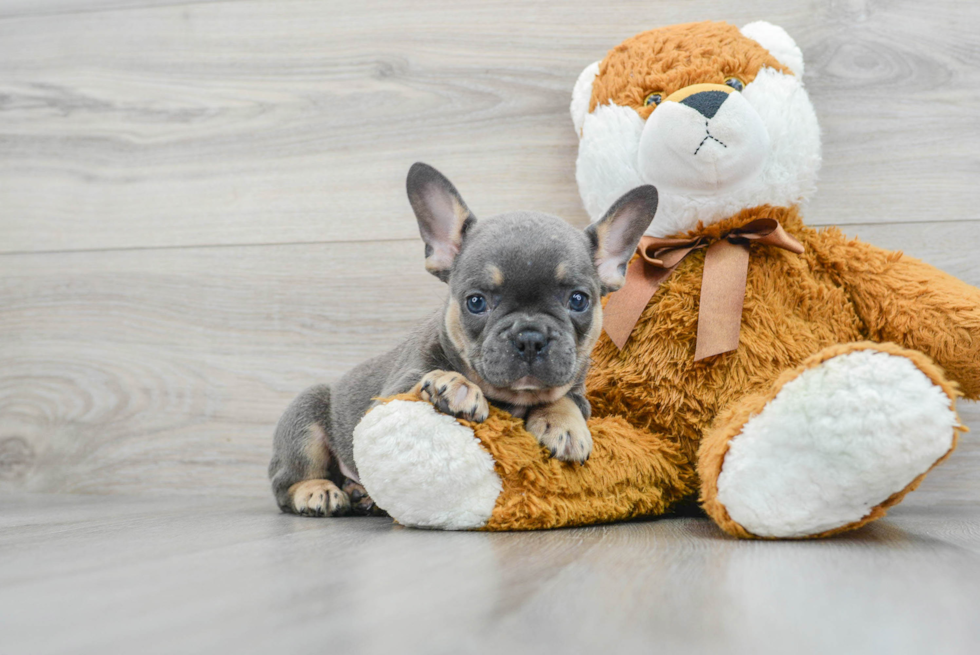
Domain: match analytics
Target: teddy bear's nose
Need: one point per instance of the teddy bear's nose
(706, 102)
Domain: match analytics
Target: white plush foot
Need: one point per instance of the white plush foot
(834, 443)
(424, 468)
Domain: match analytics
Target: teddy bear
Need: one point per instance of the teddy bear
(794, 382)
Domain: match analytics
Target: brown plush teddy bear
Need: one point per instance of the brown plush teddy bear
(798, 382)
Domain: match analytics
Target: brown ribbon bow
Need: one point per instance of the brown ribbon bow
(726, 266)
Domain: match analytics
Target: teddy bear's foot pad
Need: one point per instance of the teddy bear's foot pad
(834, 444)
(424, 468)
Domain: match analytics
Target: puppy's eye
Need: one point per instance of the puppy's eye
(654, 98)
(476, 304)
(578, 302)
(735, 83)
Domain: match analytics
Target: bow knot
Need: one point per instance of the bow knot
(726, 266)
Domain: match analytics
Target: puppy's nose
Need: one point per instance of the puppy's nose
(530, 344)
(706, 102)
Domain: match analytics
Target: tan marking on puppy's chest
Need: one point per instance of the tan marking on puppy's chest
(525, 397)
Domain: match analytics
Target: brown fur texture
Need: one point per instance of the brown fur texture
(793, 308)
(671, 58)
(839, 291)
(631, 473)
(652, 403)
(653, 407)
(909, 302)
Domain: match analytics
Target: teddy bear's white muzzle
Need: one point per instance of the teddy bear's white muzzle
(707, 143)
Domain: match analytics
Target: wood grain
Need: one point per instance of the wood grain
(164, 371)
(202, 212)
(128, 123)
(167, 369)
(202, 207)
(204, 575)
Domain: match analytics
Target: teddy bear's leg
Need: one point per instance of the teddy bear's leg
(427, 469)
(832, 445)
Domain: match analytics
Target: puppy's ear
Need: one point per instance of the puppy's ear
(442, 215)
(614, 237)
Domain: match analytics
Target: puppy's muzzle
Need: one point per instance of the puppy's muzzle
(528, 353)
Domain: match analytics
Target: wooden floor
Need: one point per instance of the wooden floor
(88, 574)
(202, 212)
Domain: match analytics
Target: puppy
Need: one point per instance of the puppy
(517, 329)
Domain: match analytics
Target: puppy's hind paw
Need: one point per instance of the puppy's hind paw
(453, 394)
(318, 498)
(361, 503)
(561, 429)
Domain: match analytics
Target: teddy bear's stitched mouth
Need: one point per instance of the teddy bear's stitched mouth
(707, 136)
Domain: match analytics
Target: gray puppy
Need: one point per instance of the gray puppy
(518, 326)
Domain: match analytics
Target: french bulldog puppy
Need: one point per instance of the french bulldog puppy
(517, 329)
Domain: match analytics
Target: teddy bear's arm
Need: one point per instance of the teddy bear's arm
(908, 302)
(429, 470)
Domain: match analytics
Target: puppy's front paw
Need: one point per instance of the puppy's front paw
(319, 498)
(453, 394)
(561, 429)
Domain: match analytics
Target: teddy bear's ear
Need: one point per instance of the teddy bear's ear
(779, 44)
(614, 237)
(582, 96)
(442, 215)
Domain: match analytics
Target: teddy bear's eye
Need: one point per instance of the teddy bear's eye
(735, 83)
(653, 99)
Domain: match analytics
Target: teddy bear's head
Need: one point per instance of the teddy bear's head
(715, 117)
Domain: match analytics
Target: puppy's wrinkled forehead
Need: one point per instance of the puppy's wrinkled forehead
(524, 251)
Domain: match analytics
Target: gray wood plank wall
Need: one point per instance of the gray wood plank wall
(202, 206)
